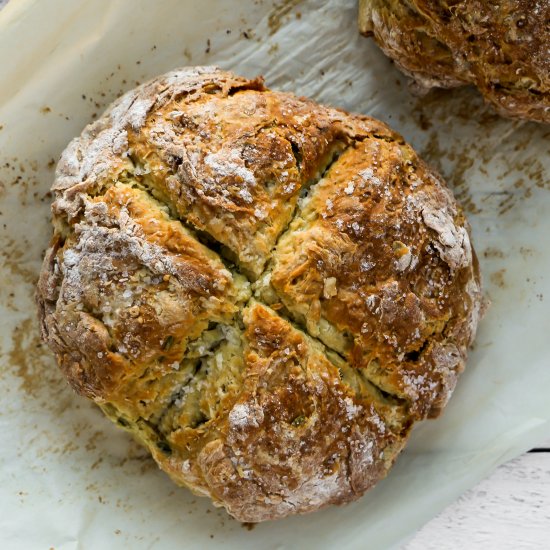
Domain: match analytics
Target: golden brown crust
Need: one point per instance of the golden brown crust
(296, 438)
(363, 259)
(501, 47)
(145, 300)
(127, 279)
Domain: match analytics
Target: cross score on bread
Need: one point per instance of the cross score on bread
(266, 292)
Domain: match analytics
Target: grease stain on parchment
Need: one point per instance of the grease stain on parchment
(29, 358)
(279, 13)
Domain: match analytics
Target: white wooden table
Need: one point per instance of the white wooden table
(508, 511)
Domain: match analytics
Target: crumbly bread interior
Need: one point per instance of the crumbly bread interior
(266, 292)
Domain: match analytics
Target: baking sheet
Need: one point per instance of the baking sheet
(69, 478)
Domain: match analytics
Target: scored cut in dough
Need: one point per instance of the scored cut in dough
(266, 292)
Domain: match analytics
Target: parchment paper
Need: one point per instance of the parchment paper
(69, 478)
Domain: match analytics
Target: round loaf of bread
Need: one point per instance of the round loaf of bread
(502, 47)
(266, 292)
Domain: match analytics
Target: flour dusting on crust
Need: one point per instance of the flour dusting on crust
(266, 292)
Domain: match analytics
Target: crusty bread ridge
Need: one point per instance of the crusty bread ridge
(501, 47)
(266, 292)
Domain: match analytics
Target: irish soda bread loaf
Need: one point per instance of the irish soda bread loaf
(266, 292)
(502, 47)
